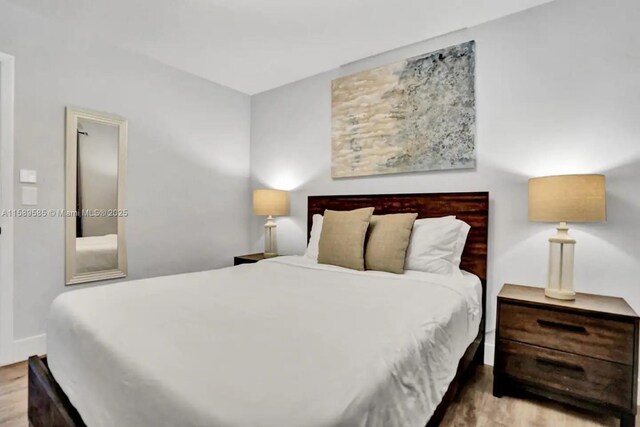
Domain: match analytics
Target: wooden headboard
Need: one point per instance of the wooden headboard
(472, 208)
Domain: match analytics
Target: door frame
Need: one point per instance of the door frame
(7, 97)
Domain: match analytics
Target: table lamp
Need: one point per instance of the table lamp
(562, 199)
(270, 203)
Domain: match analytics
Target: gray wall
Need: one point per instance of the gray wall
(188, 160)
(557, 92)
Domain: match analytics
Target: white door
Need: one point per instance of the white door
(6, 202)
(2, 284)
(2, 266)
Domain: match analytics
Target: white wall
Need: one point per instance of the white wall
(557, 92)
(188, 171)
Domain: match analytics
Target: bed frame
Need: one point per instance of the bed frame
(50, 407)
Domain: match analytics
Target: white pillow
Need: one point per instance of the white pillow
(314, 241)
(436, 245)
(462, 240)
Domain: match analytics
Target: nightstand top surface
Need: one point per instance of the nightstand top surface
(584, 302)
(253, 257)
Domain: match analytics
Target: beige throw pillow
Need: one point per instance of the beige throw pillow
(388, 241)
(342, 238)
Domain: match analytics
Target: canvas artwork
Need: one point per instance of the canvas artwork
(413, 115)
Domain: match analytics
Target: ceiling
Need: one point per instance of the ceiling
(256, 45)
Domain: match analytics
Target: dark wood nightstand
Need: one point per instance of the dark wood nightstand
(248, 259)
(582, 352)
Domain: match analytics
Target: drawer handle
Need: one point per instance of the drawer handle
(564, 326)
(562, 365)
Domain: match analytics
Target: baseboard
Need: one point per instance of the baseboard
(23, 348)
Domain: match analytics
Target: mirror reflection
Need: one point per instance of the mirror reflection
(96, 196)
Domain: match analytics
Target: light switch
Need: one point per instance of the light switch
(29, 196)
(28, 176)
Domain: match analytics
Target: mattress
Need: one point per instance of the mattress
(96, 253)
(283, 342)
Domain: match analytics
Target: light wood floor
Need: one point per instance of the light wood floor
(13, 395)
(476, 407)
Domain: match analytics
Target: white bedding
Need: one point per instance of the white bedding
(96, 253)
(283, 342)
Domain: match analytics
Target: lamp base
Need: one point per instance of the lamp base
(563, 294)
(270, 239)
(560, 279)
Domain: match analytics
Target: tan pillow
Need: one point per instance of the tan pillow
(342, 238)
(388, 241)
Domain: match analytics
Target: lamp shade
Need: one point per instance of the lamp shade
(270, 202)
(567, 198)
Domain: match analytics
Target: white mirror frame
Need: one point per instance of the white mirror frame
(72, 116)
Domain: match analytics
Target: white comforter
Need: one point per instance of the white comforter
(284, 342)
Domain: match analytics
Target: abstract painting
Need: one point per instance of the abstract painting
(413, 115)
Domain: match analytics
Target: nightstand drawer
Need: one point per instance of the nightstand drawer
(567, 373)
(568, 331)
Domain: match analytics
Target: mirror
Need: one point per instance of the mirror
(96, 150)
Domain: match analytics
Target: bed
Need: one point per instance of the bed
(285, 341)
